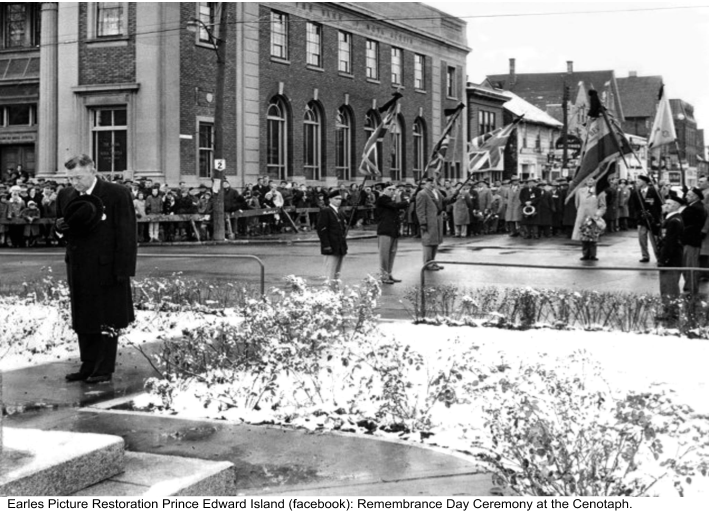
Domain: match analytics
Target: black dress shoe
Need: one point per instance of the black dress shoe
(387, 281)
(594, 258)
(93, 380)
(395, 280)
(584, 258)
(644, 260)
(76, 376)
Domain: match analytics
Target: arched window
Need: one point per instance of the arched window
(344, 133)
(419, 151)
(312, 142)
(372, 120)
(277, 139)
(397, 149)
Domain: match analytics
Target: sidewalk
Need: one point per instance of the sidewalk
(269, 460)
(302, 237)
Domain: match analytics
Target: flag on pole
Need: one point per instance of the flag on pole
(576, 126)
(390, 109)
(487, 152)
(663, 131)
(439, 153)
(601, 149)
(439, 156)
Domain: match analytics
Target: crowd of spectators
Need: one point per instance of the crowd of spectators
(530, 209)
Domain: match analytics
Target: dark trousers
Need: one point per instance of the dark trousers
(589, 250)
(98, 353)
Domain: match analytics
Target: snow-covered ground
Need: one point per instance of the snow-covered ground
(635, 362)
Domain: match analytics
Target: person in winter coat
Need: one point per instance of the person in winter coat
(140, 210)
(545, 210)
(670, 254)
(590, 207)
(31, 213)
(388, 207)
(461, 210)
(429, 208)
(623, 194)
(331, 227)
(611, 196)
(153, 206)
(513, 210)
(97, 219)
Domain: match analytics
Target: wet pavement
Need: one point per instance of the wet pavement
(268, 460)
(298, 254)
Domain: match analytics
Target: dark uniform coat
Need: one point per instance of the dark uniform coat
(100, 262)
(670, 252)
(331, 228)
(646, 206)
(694, 216)
(388, 215)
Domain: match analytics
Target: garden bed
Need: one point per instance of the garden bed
(537, 407)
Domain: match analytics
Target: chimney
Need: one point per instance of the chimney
(569, 67)
(632, 74)
(513, 76)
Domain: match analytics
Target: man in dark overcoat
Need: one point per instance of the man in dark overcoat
(331, 229)
(694, 216)
(530, 196)
(97, 220)
(388, 207)
(430, 212)
(646, 201)
(670, 254)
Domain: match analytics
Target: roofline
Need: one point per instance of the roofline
(357, 6)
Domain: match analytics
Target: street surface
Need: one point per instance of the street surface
(301, 258)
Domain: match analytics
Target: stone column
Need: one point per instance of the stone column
(149, 116)
(47, 109)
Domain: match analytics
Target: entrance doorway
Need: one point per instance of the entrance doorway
(12, 155)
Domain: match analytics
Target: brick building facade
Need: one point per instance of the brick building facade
(129, 84)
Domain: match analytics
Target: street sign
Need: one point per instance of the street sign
(220, 164)
(573, 143)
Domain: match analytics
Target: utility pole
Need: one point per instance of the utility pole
(565, 129)
(218, 217)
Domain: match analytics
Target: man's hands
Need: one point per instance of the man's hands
(61, 225)
(327, 250)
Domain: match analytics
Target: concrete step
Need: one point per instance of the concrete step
(56, 463)
(147, 474)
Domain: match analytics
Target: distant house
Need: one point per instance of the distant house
(545, 90)
(640, 97)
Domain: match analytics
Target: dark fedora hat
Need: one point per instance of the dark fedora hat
(82, 214)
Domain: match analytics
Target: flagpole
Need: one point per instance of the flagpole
(446, 131)
(650, 232)
(681, 166)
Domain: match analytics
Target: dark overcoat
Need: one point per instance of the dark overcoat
(100, 262)
(388, 215)
(670, 251)
(694, 216)
(331, 229)
(646, 205)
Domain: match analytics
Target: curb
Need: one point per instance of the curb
(248, 241)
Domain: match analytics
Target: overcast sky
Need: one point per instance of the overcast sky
(668, 39)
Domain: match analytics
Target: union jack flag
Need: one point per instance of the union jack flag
(367, 165)
(486, 152)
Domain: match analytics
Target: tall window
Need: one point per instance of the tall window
(206, 149)
(371, 59)
(371, 122)
(343, 143)
(487, 122)
(109, 19)
(312, 142)
(313, 44)
(397, 149)
(419, 72)
(418, 148)
(277, 139)
(451, 85)
(20, 25)
(207, 15)
(345, 49)
(279, 35)
(109, 139)
(396, 66)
